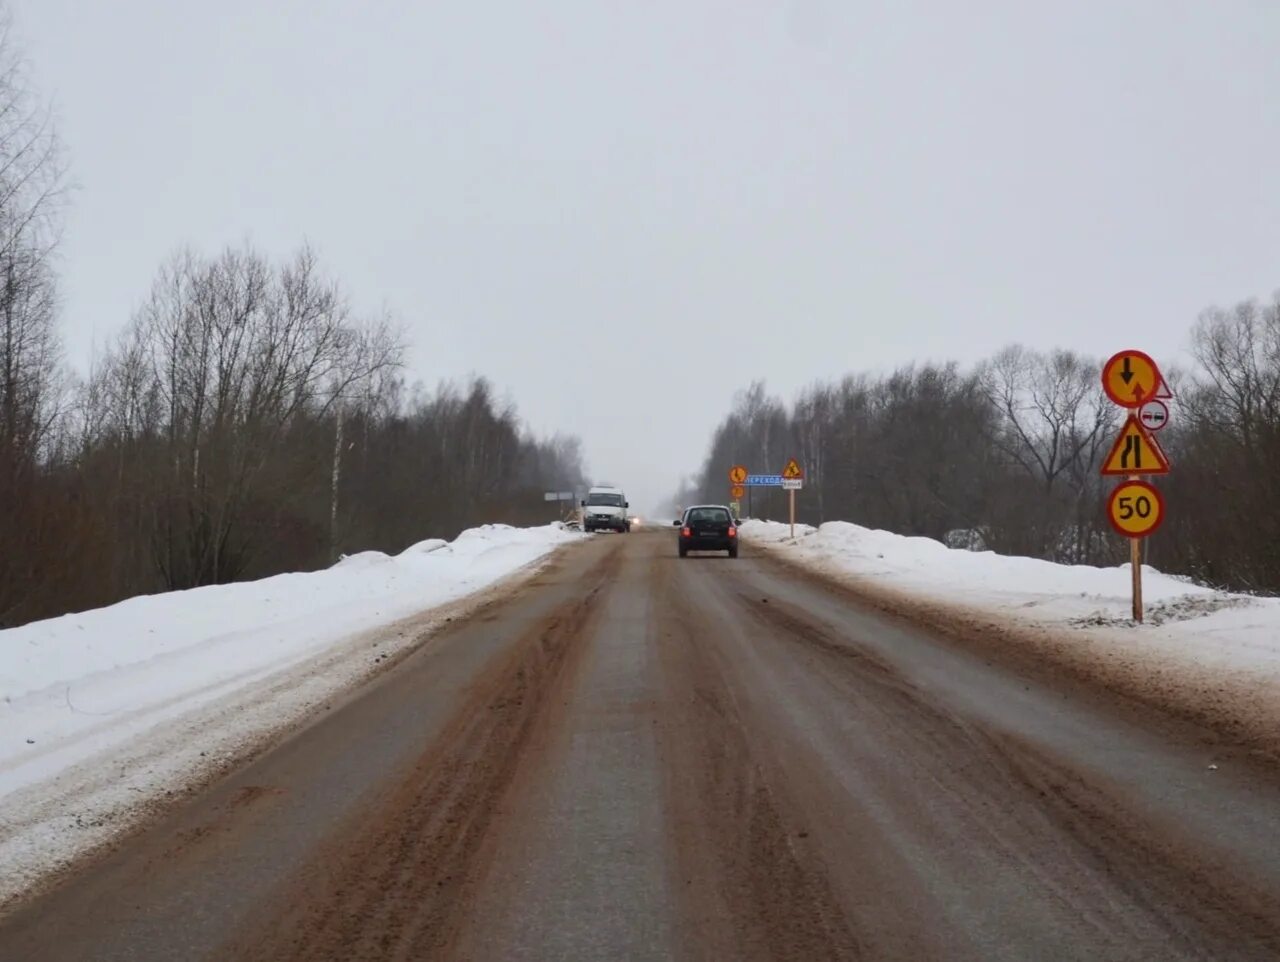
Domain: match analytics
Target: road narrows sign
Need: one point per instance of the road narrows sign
(1135, 452)
(1135, 509)
(1130, 378)
(737, 474)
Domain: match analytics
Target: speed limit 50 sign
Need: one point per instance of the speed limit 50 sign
(1135, 509)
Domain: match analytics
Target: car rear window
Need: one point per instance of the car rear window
(708, 514)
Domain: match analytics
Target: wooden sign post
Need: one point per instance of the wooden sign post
(1135, 563)
(1135, 509)
(793, 481)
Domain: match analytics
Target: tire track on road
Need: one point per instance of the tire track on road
(398, 884)
(1011, 796)
(752, 884)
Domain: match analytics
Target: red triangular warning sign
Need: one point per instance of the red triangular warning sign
(1135, 452)
(1155, 443)
(793, 470)
(1162, 391)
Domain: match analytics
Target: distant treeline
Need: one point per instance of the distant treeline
(1006, 455)
(243, 423)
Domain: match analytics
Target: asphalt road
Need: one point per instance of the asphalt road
(641, 757)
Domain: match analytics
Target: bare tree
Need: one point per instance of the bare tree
(1239, 353)
(1226, 481)
(370, 363)
(1055, 422)
(238, 354)
(32, 387)
(32, 191)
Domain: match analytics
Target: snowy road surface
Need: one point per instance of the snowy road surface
(106, 714)
(635, 756)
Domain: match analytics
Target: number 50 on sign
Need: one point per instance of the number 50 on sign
(1135, 509)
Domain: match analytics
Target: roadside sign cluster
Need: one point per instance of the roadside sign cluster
(1136, 508)
(1133, 380)
(790, 479)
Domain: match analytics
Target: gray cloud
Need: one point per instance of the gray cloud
(622, 213)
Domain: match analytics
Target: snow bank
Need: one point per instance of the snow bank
(1202, 628)
(119, 657)
(107, 690)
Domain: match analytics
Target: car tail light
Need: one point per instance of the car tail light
(733, 532)
(686, 532)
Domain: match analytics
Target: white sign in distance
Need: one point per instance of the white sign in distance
(792, 484)
(551, 496)
(1153, 415)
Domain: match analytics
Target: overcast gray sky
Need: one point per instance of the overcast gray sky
(623, 212)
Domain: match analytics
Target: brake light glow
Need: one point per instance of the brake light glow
(686, 532)
(733, 532)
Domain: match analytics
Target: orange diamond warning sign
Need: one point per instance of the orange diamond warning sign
(793, 471)
(1135, 452)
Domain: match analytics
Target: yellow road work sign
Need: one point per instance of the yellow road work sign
(1135, 452)
(793, 470)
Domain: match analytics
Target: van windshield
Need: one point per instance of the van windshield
(608, 500)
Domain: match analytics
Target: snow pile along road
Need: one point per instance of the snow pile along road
(105, 710)
(1218, 650)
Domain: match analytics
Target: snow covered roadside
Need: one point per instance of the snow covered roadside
(107, 712)
(1209, 654)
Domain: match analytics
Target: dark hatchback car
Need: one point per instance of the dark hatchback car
(708, 527)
